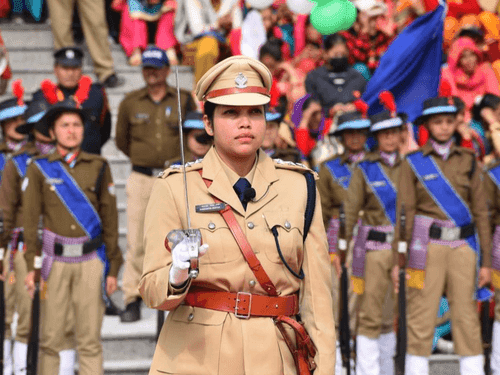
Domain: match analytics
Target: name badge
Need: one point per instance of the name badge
(429, 177)
(54, 181)
(142, 116)
(168, 111)
(378, 184)
(210, 207)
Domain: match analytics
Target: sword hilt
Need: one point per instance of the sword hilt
(193, 242)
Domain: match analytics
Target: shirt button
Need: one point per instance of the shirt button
(158, 135)
(251, 283)
(158, 121)
(52, 188)
(190, 317)
(73, 226)
(250, 225)
(340, 89)
(211, 226)
(287, 225)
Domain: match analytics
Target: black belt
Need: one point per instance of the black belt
(146, 170)
(375, 235)
(451, 234)
(78, 249)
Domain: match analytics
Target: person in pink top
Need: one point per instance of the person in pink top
(467, 73)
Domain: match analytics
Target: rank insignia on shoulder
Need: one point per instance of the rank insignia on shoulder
(378, 184)
(429, 177)
(210, 207)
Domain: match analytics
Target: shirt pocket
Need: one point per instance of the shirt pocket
(462, 185)
(191, 341)
(222, 245)
(286, 228)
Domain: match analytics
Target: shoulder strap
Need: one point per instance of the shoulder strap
(311, 203)
(244, 245)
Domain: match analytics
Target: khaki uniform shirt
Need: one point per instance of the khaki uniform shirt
(492, 195)
(148, 132)
(11, 195)
(464, 175)
(40, 198)
(331, 192)
(196, 340)
(360, 196)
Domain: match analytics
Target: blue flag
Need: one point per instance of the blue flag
(411, 66)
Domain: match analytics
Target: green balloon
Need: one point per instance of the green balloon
(331, 16)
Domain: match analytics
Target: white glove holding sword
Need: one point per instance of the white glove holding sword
(179, 272)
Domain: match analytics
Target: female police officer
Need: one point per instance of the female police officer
(223, 322)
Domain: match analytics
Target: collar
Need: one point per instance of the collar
(16, 146)
(265, 175)
(143, 93)
(82, 156)
(375, 156)
(428, 149)
(232, 175)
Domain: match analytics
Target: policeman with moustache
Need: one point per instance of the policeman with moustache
(147, 132)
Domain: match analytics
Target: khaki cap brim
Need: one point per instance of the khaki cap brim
(241, 99)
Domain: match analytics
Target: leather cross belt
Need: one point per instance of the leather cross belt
(242, 304)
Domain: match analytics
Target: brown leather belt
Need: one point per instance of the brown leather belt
(242, 304)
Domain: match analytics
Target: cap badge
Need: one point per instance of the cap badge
(241, 81)
(70, 54)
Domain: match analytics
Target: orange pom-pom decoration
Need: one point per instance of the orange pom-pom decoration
(388, 101)
(82, 93)
(49, 89)
(18, 91)
(445, 91)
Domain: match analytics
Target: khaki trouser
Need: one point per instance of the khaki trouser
(354, 301)
(95, 30)
(10, 297)
(206, 55)
(451, 271)
(23, 300)
(73, 288)
(138, 190)
(376, 312)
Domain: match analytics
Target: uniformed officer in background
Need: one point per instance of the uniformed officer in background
(227, 320)
(11, 204)
(147, 132)
(11, 116)
(73, 191)
(449, 237)
(91, 96)
(334, 177)
(373, 189)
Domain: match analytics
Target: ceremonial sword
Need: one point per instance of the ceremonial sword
(190, 235)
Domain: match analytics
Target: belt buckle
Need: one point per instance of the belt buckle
(156, 171)
(389, 237)
(236, 308)
(450, 234)
(72, 251)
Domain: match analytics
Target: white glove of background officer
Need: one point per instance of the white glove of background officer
(179, 272)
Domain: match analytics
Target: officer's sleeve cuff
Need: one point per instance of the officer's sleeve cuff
(181, 289)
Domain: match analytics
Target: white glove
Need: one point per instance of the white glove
(179, 272)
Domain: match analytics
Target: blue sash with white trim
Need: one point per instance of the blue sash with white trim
(21, 163)
(77, 203)
(340, 172)
(382, 187)
(444, 195)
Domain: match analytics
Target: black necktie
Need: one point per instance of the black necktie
(244, 191)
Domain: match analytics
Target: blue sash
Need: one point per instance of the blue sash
(382, 187)
(340, 172)
(21, 163)
(3, 160)
(445, 196)
(79, 206)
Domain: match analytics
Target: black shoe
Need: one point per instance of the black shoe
(132, 312)
(113, 310)
(113, 81)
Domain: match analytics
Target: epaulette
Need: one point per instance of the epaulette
(177, 168)
(413, 152)
(291, 166)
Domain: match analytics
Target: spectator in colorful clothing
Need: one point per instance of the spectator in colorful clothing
(134, 28)
(335, 81)
(486, 121)
(5, 70)
(467, 73)
(365, 41)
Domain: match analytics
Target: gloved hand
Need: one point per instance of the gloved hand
(179, 272)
